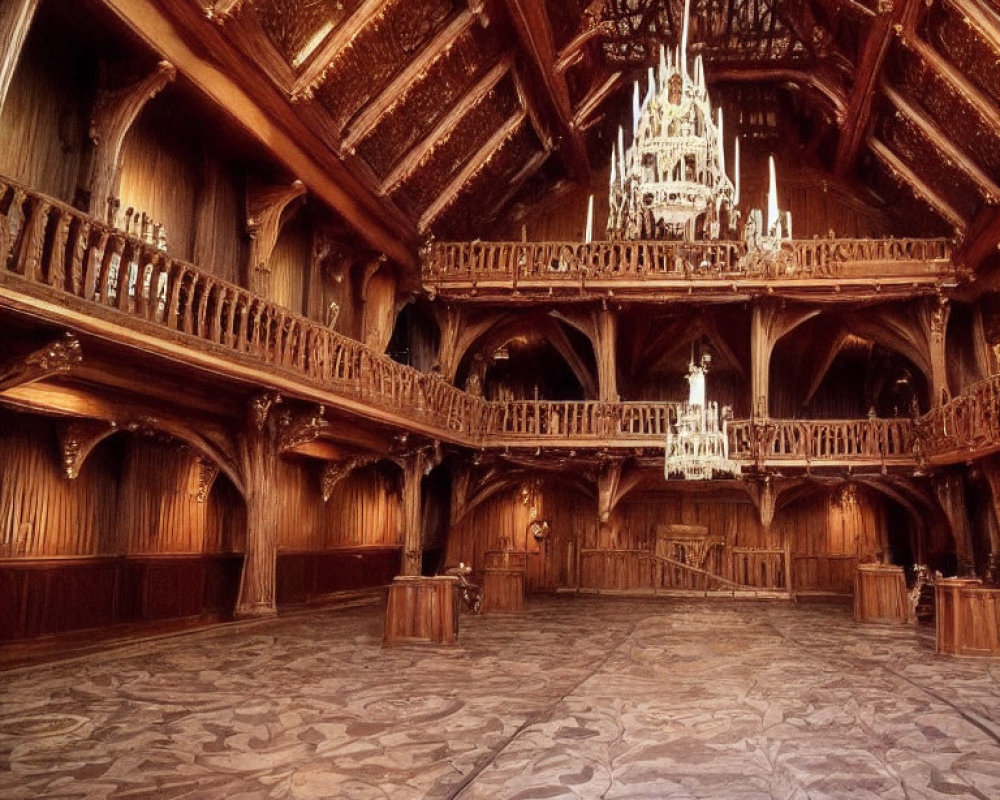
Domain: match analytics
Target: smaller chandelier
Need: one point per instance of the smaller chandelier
(698, 449)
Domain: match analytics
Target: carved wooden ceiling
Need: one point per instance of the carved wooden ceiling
(449, 111)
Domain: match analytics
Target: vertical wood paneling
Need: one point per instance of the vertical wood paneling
(220, 242)
(290, 263)
(43, 128)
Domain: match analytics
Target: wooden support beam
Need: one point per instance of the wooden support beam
(833, 96)
(982, 240)
(534, 31)
(182, 34)
(412, 159)
(974, 15)
(114, 113)
(416, 69)
(595, 98)
(854, 126)
(944, 143)
(923, 192)
(15, 22)
(471, 168)
(56, 358)
(265, 207)
(531, 166)
(315, 72)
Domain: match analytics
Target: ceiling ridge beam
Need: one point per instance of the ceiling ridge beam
(923, 191)
(375, 110)
(534, 31)
(471, 168)
(416, 154)
(951, 75)
(855, 124)
(320, 63)
(988, 187)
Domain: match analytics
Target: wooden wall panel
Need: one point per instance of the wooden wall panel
(220, 245)
(290, 263)
(363, 510)
(161, 176)
(43, 128)
(42, 514)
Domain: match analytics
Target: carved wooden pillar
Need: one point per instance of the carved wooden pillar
(264, 436)
(264, 211)
(378, 293)
(938, 322)
(991, 471)
(769, 322)
(605, 348)
(15, 22)
(415, 466)
(950, 491)
(114, 113)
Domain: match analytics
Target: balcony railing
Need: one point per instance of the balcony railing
(543, 265)
(50, 248)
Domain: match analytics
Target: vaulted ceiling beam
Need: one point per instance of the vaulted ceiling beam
(944, 143)
(411, 159)
(534, 31)
(377, 108)
(471, 168)
(834, 96)
(854, 126)
(319, 64)
(922, 190)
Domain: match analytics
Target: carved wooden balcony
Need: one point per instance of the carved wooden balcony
(829, 269)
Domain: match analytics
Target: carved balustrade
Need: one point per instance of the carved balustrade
(869, 439)
(555, 420)
(520, 264)
(49, 244)
(966, 424)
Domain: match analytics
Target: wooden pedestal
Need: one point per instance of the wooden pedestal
(503, 591)
(967, 617)
(422, 610)
(880, 593)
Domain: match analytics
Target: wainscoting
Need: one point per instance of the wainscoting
(308, 576)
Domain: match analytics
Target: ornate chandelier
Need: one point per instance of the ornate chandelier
(671, 182)
(699, 447)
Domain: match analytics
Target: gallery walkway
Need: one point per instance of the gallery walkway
(579, 697)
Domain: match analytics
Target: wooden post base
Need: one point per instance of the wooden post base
(422, 609)
(880, 594)
(967, 618)
(503, 591)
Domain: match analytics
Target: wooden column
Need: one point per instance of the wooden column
(770, 321)
(950, 491)
(605, 347)
(259, 445)
(992, 474)
(415, 466)
(15, 22)
(114, 113)
(938, 317)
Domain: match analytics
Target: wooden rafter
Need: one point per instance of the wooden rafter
(377, 108)
(982, 240)
(534, 31)
(854, 125)
(315, 71)
(531, 166)
(595, 97)
(471, 168)
(413, 158)
(974, 16)
(945, 144)
(962, 86)
(833, 95)
(896, 165)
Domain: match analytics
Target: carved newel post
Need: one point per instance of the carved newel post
(265, 435)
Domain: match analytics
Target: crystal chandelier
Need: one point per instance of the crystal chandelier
(674, 172)
(698, 449)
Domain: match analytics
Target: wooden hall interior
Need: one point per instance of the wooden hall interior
(299, 297)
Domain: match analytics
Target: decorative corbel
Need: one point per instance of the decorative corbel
(77, 438)
(298, 428)
(264, 212)
(612, 485)
(765, 499)
(259, 408)
(56, 358)
(335, 471)
(208, 471)
(221, 11)
(368, 273)
(114, 113)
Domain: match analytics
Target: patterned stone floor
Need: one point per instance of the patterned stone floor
(579, 697)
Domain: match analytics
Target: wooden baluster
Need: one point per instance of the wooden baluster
(94, 259)
(188, 322)
(10, 230)
(121, 280)
(175, 283)
(28, 261)
(55, 267)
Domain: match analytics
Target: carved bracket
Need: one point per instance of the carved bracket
(335, 471)
(77, 439)
(114, 113)
(264, 211)
(56, 358)
(208, 471)
(298, 428)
